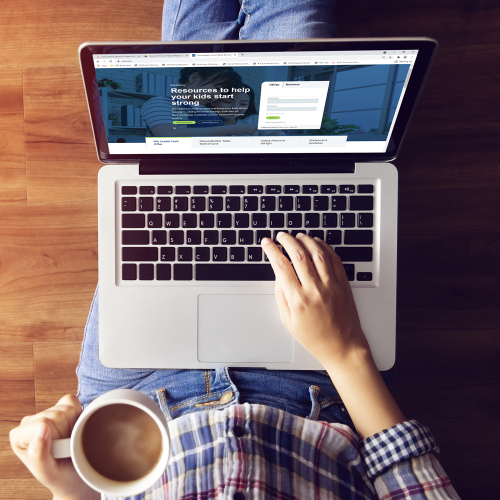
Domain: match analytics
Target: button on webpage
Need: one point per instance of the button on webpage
(238, 431)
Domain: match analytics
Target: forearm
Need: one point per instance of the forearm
(364, 393)
(83, 492)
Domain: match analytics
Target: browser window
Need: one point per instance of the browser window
(252, 102)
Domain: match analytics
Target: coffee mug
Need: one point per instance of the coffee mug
(120, 444)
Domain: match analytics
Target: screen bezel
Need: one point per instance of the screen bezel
(426, 50)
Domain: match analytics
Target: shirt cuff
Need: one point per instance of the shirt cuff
(396, 444)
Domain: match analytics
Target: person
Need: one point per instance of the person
(250, 433)
(160, 114)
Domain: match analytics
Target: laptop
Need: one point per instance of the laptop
(208, 147)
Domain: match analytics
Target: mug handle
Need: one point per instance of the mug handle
(60, 448)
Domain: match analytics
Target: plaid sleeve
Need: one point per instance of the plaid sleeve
(390, 446)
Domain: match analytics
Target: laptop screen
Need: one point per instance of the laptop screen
(252, 102)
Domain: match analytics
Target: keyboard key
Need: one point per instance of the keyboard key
(154, 220)
(250, 203)
(185, 254)
(200, 189)
(181, 203)
(135, 237)
(339, 202)
(360, 202)
(146, 204)
(365, 220)
(206, 220)
(146, 272)
(211, 237)
(349, 270)
(202, 254)
(273, 189)
(241, 220)
(263, 233)
(320, 203)
(167, 254)
(293, 220)
(255, 189)
(219, 254)
(317, 233)
(159, 238)
(147, 190)
(268, 203)
(347, 188)
(133, 220)
(259, 220)
(138, 254)
(355, 254)
(165, 190)
(129, 271)
(183, 272)
(292, 189)
(303, 203)
(129, 204)
(308, 189)
(163, 204)
(245, 237)
(358, 237)
(365, 188)
(347, 220)
(223, 220)
(193, 237)
(276, 220)
(215, 203)
(233, 203)
(172, 220)
(237, 254)
(182, 189)
(364, 276)
(254, 254)
(334, 237)
(129, 190)
(176, 237)
(276, 232)
(234, 272)
(198, 203)
(285, 203)
(328, 189)
(228, 237)
(163, 271)
(189, 220)
(329, 220)
(219, 189)
(311, 220)
(236, 189)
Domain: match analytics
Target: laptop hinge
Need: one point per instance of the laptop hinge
(203, 165)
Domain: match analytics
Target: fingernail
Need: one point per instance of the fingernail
(317, 239)
(299, 235)
(265, 241)
(40, 431)
(280, 234)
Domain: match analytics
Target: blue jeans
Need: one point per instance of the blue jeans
(308, 394)
(247, 19)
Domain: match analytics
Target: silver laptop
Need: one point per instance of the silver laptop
(209, 147)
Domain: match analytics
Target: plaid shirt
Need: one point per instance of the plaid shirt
(245, 452)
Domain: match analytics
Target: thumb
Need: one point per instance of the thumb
(41, 462)
(282, 304)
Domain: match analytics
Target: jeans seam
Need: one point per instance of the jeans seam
(176, 407)
(208, 382)
(175, 20)
(247, 19)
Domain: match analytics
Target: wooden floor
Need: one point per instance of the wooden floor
(449, 218)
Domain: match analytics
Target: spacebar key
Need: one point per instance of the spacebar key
(234, 272)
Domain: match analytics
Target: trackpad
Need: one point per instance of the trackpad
(242, 329)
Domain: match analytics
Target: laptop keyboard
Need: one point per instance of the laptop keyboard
(213, 233)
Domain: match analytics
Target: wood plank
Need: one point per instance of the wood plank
(49, 32)
(17, 399)
(13, 165)
(54, 379)
(49, 272)
(27, 489)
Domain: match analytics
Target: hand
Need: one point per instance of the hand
(31, 442)
(243, 129)
(315, 300)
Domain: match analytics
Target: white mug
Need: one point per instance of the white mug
(72, 446)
